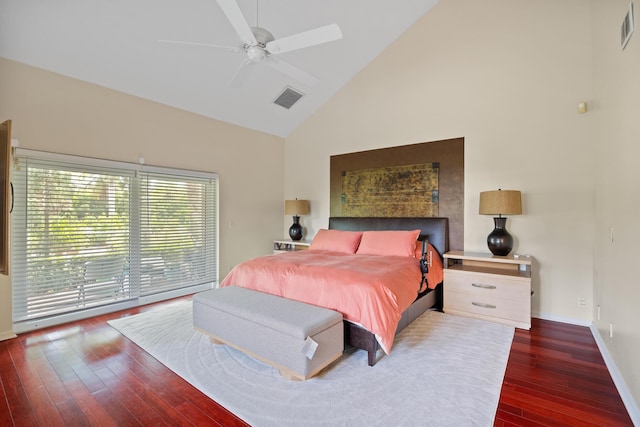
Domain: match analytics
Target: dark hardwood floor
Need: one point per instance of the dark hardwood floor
(86, 373)
(556, 377)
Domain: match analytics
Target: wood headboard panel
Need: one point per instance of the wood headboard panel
(449, 154)
(436, 230)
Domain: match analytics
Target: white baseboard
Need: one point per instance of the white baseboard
(7, 335)
(560, 319)
(616, 376)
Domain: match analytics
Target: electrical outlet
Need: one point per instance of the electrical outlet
(598, 312)
(582, 302)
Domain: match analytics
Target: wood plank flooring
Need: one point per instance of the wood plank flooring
(86, 373)
(556, 377)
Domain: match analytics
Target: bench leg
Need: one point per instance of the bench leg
(290, 375)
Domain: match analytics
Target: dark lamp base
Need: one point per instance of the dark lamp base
(295, 231)
(500, 242)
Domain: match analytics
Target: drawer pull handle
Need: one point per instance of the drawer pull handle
(480, 285)
(481, 304)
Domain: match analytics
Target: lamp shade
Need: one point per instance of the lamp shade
(500, 202)
(296, 207)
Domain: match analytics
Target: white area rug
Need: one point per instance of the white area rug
(443, 371)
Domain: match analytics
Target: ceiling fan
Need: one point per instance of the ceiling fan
(261, 47)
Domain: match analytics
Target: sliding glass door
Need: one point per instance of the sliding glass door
(88, 234)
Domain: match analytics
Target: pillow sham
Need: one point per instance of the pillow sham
(389, 243)
(336, 240)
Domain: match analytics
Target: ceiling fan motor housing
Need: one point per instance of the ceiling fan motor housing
(262, 36)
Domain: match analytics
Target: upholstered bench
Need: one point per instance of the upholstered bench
(297, 338)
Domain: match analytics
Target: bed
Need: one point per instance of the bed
(377, 293)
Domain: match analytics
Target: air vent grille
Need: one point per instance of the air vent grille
(288, 97)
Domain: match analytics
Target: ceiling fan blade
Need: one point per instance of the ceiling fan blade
(229, 48)
(325, 34)
(291, 71)
(242, 73)
(236, 18)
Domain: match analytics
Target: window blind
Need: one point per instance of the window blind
(89, 233)
(177, 234)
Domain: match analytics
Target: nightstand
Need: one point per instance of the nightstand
(280, 246)
(484, 286)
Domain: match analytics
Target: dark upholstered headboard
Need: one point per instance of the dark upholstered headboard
(436, 230)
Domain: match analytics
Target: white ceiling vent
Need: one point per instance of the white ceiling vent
(288, 97)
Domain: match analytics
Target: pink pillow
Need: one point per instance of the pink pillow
(337, 241)
(397, 243)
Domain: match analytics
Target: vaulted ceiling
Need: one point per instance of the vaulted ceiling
(116, 44)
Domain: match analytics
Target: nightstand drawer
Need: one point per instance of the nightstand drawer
(487, 295)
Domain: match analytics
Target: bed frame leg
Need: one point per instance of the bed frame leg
(372, 357)
(361, 339)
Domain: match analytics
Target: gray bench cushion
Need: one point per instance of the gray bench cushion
(294, 318)
(299, 339)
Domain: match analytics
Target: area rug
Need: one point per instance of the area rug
(443, 370)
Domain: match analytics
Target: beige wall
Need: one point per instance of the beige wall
(507, 75)
(616, 109)
(54, 113)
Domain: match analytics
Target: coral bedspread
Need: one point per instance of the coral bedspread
(369, 290)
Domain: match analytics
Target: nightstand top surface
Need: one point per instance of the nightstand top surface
(293, 242)
(488, 257)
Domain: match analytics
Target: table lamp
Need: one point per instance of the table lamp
(500, 202)
(296, 208)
